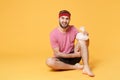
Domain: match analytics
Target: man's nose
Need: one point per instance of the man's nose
(65, 20)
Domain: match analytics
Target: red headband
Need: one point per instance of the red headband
(64, 14)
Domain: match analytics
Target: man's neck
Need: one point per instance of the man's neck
(62, 29)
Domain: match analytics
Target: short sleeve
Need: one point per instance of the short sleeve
(53, 40)
(75, 30)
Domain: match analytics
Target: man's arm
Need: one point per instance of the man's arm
(57, 53)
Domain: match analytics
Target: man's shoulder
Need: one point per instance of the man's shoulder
(73, 27)
(54, 31)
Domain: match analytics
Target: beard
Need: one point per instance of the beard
(64, 26)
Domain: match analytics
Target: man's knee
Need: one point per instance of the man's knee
(84, 42)
(50, 62)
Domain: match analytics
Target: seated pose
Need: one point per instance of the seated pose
(67, 55)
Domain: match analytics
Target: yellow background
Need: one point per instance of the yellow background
(24, 38)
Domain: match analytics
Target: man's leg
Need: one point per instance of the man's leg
(56, 64)
(85, 57)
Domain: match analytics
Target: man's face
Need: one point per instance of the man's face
(64, 21)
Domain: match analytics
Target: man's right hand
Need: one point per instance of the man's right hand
(77, 54)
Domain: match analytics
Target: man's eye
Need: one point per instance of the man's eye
(62, 17)
(67, 18)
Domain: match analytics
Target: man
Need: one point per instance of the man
(66, 55)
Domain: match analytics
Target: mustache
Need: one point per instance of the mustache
(63, 26)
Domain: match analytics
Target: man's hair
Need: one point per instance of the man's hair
(64, 12)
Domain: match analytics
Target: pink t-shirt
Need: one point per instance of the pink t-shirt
(64, 41)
